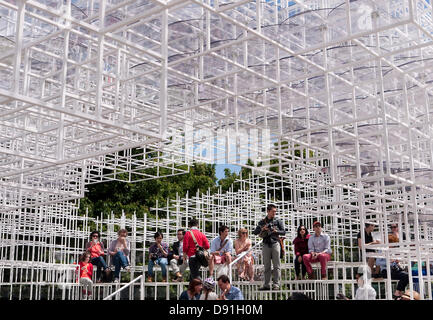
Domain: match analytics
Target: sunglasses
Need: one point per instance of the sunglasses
(95, 236)
(393, 227)
(244, 232)
(302, 229)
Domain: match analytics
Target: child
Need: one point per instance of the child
(85, 269)
(208, 290)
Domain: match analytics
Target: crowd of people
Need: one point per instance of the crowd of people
(184, 253)
(205, 290)
(94, 256)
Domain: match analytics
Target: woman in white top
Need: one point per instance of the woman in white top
(365, 291)
(208, 290)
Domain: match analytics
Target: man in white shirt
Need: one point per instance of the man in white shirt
(221, 249)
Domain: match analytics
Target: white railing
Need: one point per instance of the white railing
(128, 285)
(240, 257)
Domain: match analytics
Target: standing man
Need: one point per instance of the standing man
(221, 249)
(189, 247)
(177, 263)
(270, 229)
(228, 292)
(319, 248)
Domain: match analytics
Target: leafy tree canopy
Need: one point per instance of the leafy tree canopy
(140, 196)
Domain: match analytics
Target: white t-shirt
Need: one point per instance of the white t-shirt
(180, 249)
(211, 296)
(365, 293)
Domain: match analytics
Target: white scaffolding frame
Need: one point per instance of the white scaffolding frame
(334, 98)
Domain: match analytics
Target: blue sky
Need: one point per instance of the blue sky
(220, 169)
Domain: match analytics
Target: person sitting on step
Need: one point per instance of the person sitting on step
(368, 238)
(245, 266)
(208, 292)
(158, 253)
(119, 250)
(85, 272)
(221, 249)
(319, 248)
(301, 247)
(96, 249)
(175, 256)
(193, 292)
(397, 272)
(228, 291)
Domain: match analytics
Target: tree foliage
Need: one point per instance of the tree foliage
(140, 197)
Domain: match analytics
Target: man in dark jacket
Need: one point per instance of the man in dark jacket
(270, 229)
(178, 265)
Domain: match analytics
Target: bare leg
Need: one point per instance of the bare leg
(242, 274)
(211, 266)
(250, 270)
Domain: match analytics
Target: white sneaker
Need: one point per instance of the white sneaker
(85, 297)
(127, 268)
(116, 280)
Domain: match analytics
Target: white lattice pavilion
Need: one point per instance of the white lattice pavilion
(331, 100)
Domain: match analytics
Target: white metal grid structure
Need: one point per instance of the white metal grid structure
(40, 248)
(93, 91)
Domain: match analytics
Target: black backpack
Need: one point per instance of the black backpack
(201, 254)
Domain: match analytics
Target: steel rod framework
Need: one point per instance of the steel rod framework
(330, 99)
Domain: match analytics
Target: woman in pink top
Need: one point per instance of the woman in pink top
(96, 249)
(245, 266)
(301, 248)
(85, 271)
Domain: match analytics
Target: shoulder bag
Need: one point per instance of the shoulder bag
(202, 255)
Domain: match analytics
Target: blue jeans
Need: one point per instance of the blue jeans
(162, 262)
(119, 260)
(100, 264)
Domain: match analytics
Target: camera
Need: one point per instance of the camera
(153, 256)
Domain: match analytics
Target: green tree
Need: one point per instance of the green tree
(142, 195)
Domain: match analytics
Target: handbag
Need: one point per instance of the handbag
(202, 255)
(218, 259)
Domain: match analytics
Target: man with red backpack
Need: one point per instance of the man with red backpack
(193, 238)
